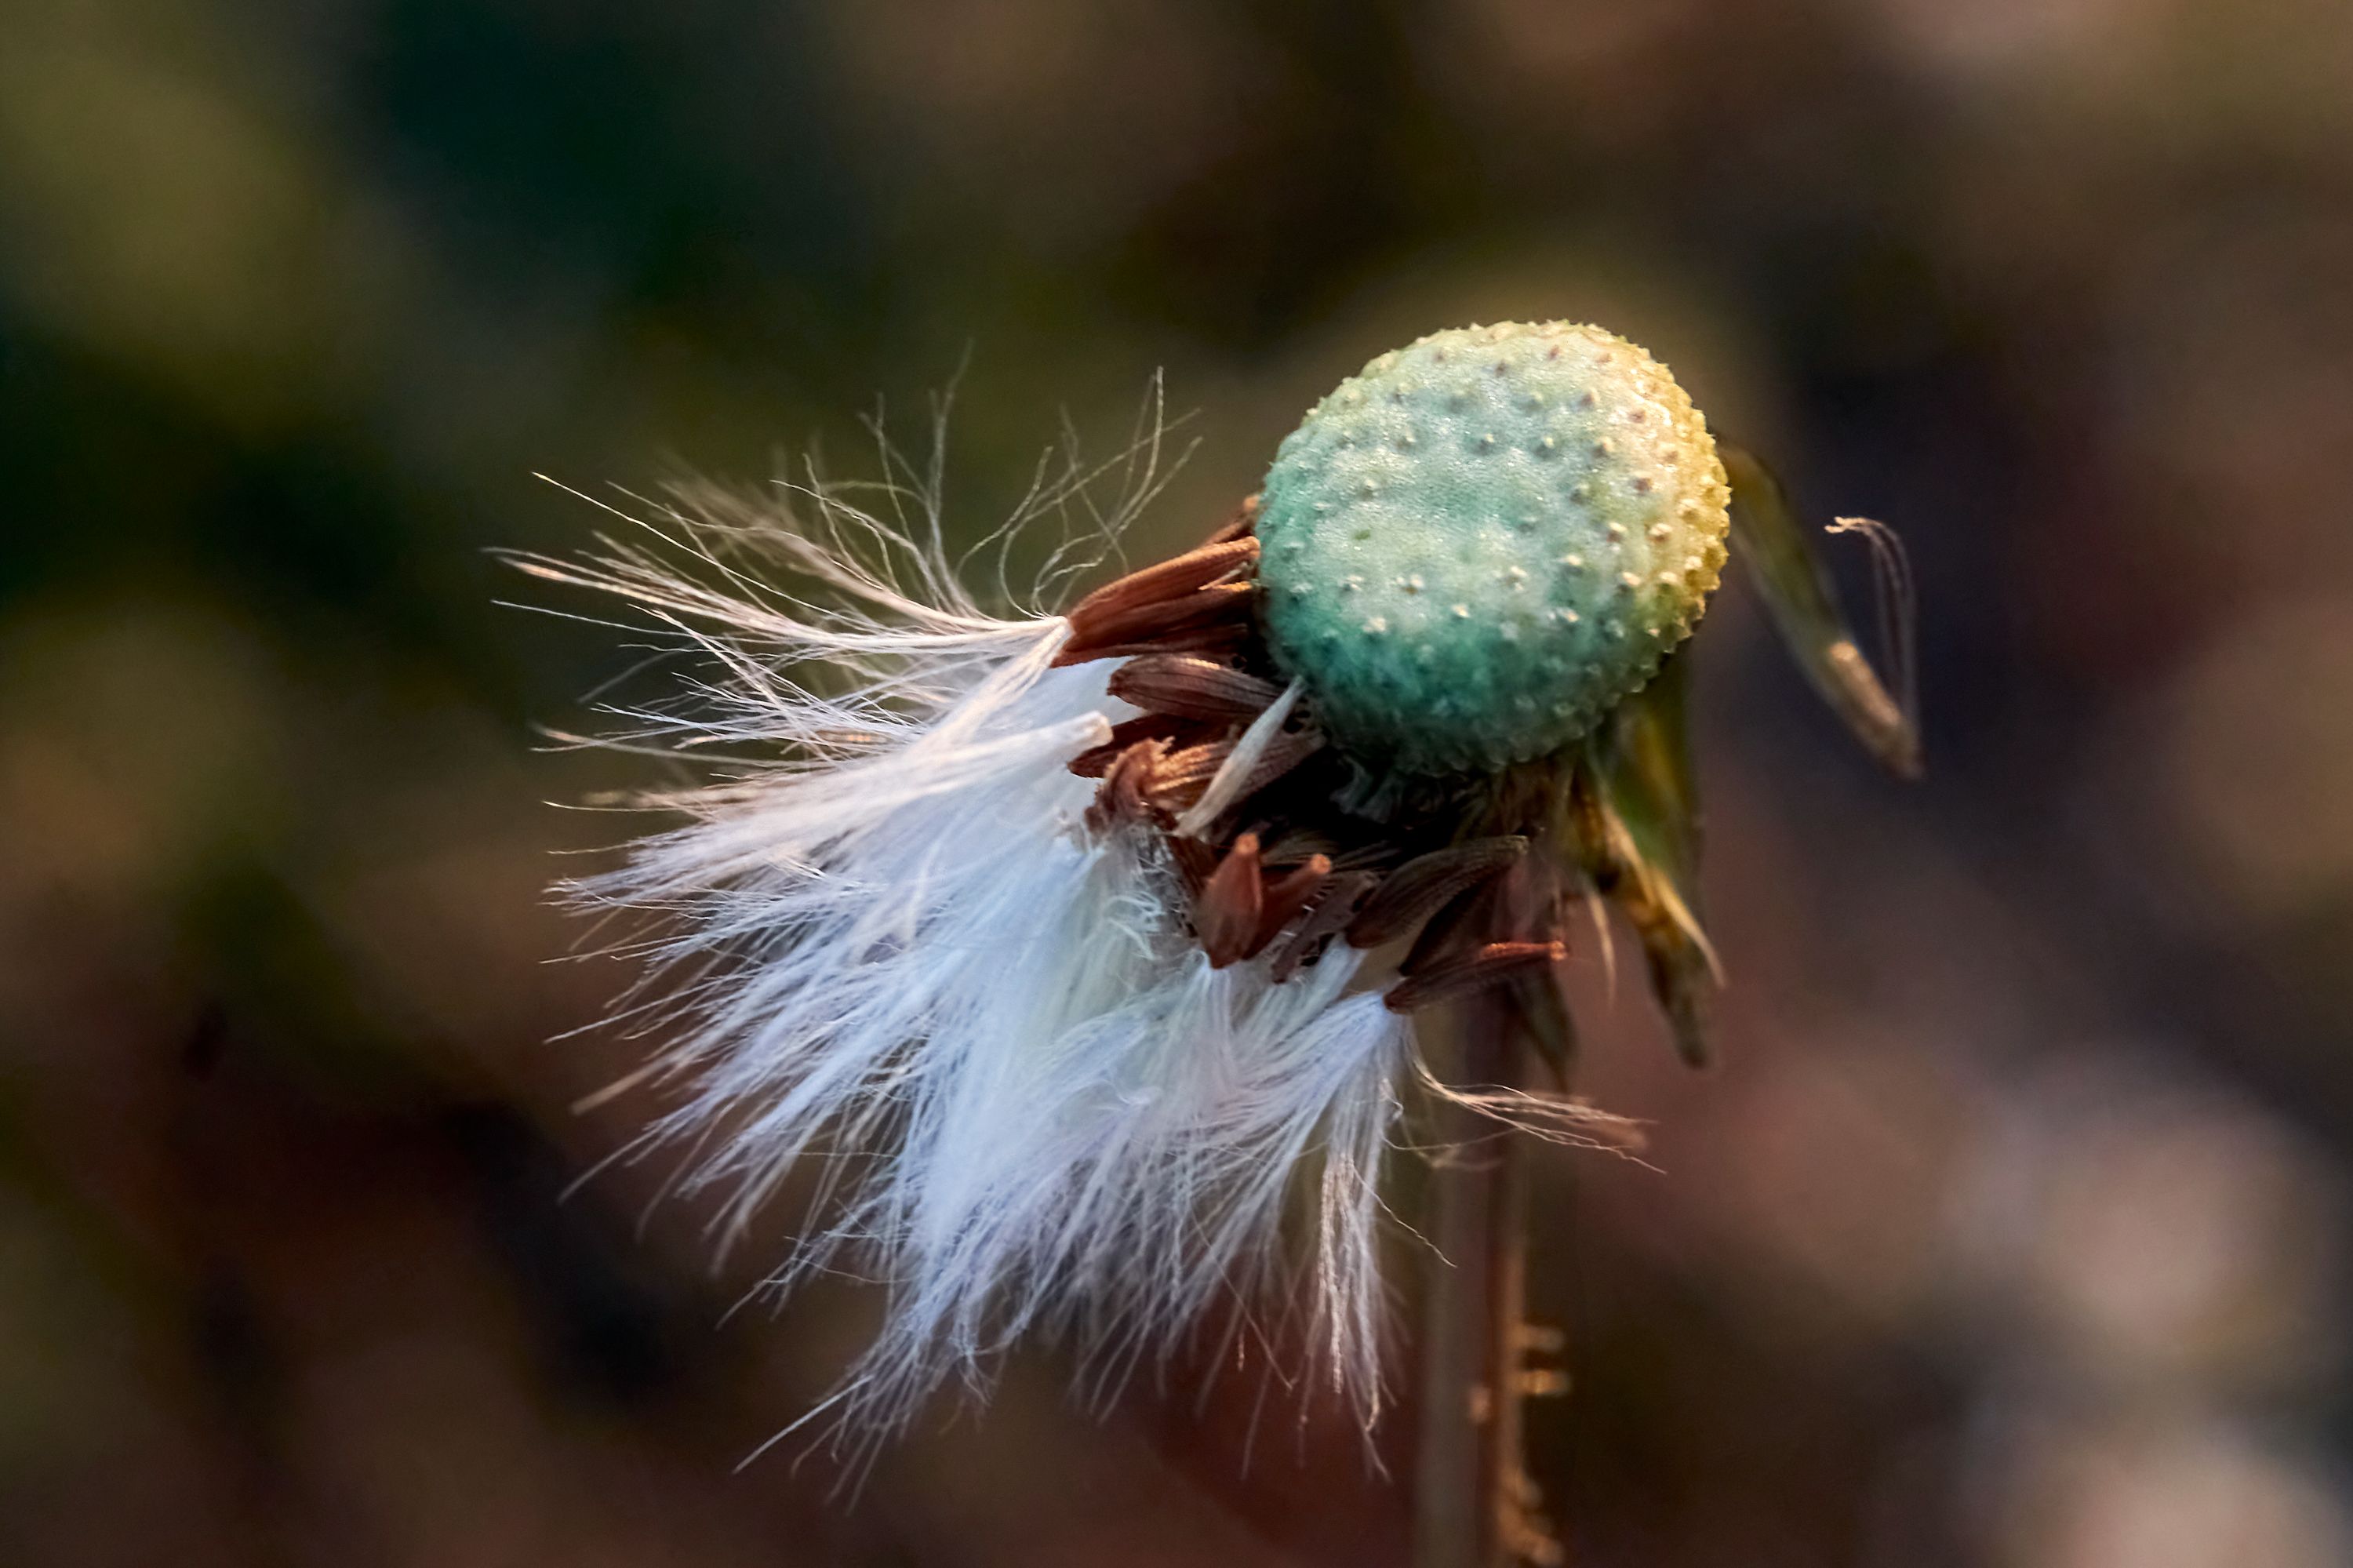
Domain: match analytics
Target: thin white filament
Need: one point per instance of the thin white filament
(900, 958)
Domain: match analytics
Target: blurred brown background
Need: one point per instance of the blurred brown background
(2011, 1231)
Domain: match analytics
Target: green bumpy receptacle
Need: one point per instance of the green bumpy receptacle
(1475, 548)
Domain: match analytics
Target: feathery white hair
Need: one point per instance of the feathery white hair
(894, 944)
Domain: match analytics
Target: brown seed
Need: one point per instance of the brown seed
(1212, 639)
(1126, 792)
(1179, 780)
(1423, 885)
(1175, 579)
(1226, 915)
(1457, 926)
(1176, 576)
(1093, 762)
(1192, 687)
(1097, 628)
(1284, 897)
(1472, 972)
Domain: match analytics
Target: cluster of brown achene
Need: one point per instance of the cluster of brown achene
(1277, 864)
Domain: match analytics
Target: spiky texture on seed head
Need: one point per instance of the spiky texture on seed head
(1481, 544)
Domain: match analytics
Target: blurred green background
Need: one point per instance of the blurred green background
(2010, 1232)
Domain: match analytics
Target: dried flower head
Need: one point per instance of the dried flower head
(1088, 944)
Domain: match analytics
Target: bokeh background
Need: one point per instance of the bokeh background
(2010, 1232)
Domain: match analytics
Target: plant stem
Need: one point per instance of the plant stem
(1471, 1491)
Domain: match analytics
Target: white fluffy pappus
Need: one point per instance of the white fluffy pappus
(893, 944)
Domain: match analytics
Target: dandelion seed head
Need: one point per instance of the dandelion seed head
(1090, 925)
